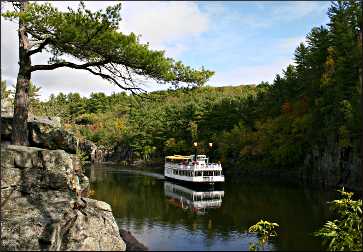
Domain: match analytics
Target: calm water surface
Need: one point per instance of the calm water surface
(165, 216)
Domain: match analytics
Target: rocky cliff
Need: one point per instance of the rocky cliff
(46, 132)
(332, 165)
(40, 190)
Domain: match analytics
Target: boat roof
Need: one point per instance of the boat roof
(178, 157)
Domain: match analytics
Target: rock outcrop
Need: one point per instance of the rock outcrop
(46, 132)
(7, 107)
(120, 153)
(333, 165)
(39, 190)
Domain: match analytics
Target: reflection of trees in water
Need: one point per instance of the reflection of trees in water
(140, 201)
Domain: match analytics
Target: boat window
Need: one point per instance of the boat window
(208, 173)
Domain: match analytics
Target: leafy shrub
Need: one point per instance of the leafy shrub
(344, 233)
(264, 230)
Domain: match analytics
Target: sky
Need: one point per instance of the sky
(244, 42)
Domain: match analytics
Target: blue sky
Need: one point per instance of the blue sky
(245, 37)
(243, 42)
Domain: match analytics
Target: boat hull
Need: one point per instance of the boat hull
(193, 183)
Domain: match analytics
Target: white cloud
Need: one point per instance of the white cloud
(67, 81)
(164, 24)
(298, 9)
(157, 22)
(289, 44)
(9, 50)
(249, 74)
(270, 12)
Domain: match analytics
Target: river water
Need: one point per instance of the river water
(169, 216)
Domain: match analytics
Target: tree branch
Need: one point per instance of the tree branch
(40, 47)
(113, 80)
(67, 64)
(99, 65)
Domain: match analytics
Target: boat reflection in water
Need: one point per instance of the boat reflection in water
(195, 200)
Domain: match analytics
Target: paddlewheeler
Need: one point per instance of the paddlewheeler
(193, 169)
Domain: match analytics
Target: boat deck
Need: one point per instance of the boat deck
(193, 169)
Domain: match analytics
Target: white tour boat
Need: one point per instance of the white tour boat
(189, 169)
(195, 200)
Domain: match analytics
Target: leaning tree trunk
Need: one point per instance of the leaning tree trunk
(20, 127)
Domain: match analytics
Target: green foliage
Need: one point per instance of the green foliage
(4, 90)
(344, 233)
(264, 230)
(82, 156)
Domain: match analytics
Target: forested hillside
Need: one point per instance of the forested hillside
(308, 115)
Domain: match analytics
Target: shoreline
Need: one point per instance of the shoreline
(132, 244)
(291, 176)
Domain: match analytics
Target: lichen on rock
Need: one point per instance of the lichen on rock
(38, 204)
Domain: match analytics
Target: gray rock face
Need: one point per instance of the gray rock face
(7, 108)
(46, 132)
(51, 121)
(38, 190)
(46, 136)
(333, 166)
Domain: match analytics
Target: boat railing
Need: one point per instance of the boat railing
(210, 165)
(195, 166)
(207, 204)
(207, 178)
